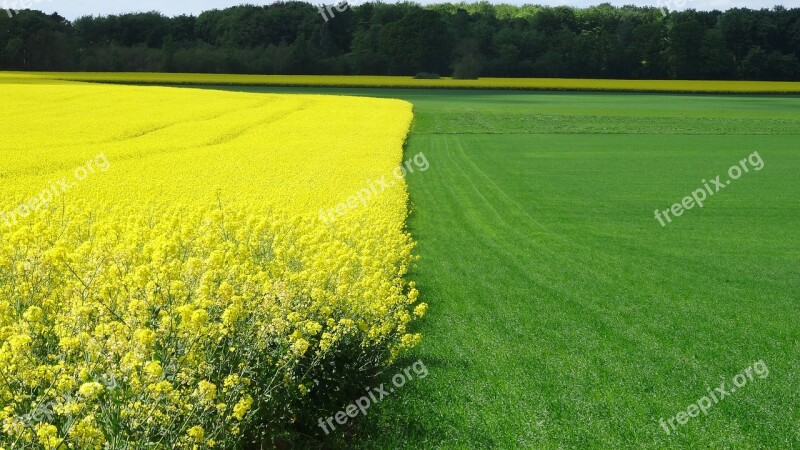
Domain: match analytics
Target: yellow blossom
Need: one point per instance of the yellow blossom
(198, 259)
(242, 407)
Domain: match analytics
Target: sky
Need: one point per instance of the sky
(72, 9)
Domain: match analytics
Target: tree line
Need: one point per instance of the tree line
(463, 40)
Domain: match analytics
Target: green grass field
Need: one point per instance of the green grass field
(563, 315)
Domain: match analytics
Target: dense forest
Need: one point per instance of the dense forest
(463, 40)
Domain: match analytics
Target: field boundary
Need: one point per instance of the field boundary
(513, 84)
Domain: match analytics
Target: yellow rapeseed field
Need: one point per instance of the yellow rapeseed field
(546, 84)
(165, 280)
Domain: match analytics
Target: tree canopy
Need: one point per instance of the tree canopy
(477, 39)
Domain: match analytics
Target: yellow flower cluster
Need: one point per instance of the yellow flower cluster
(542, 84)
(194, 270)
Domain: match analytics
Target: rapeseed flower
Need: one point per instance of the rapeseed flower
(190, 265)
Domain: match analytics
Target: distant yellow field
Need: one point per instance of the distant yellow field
(163, 261)
(557, 84)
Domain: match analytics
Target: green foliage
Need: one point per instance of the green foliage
(468, 68)
(563, 315)
(405, 38)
